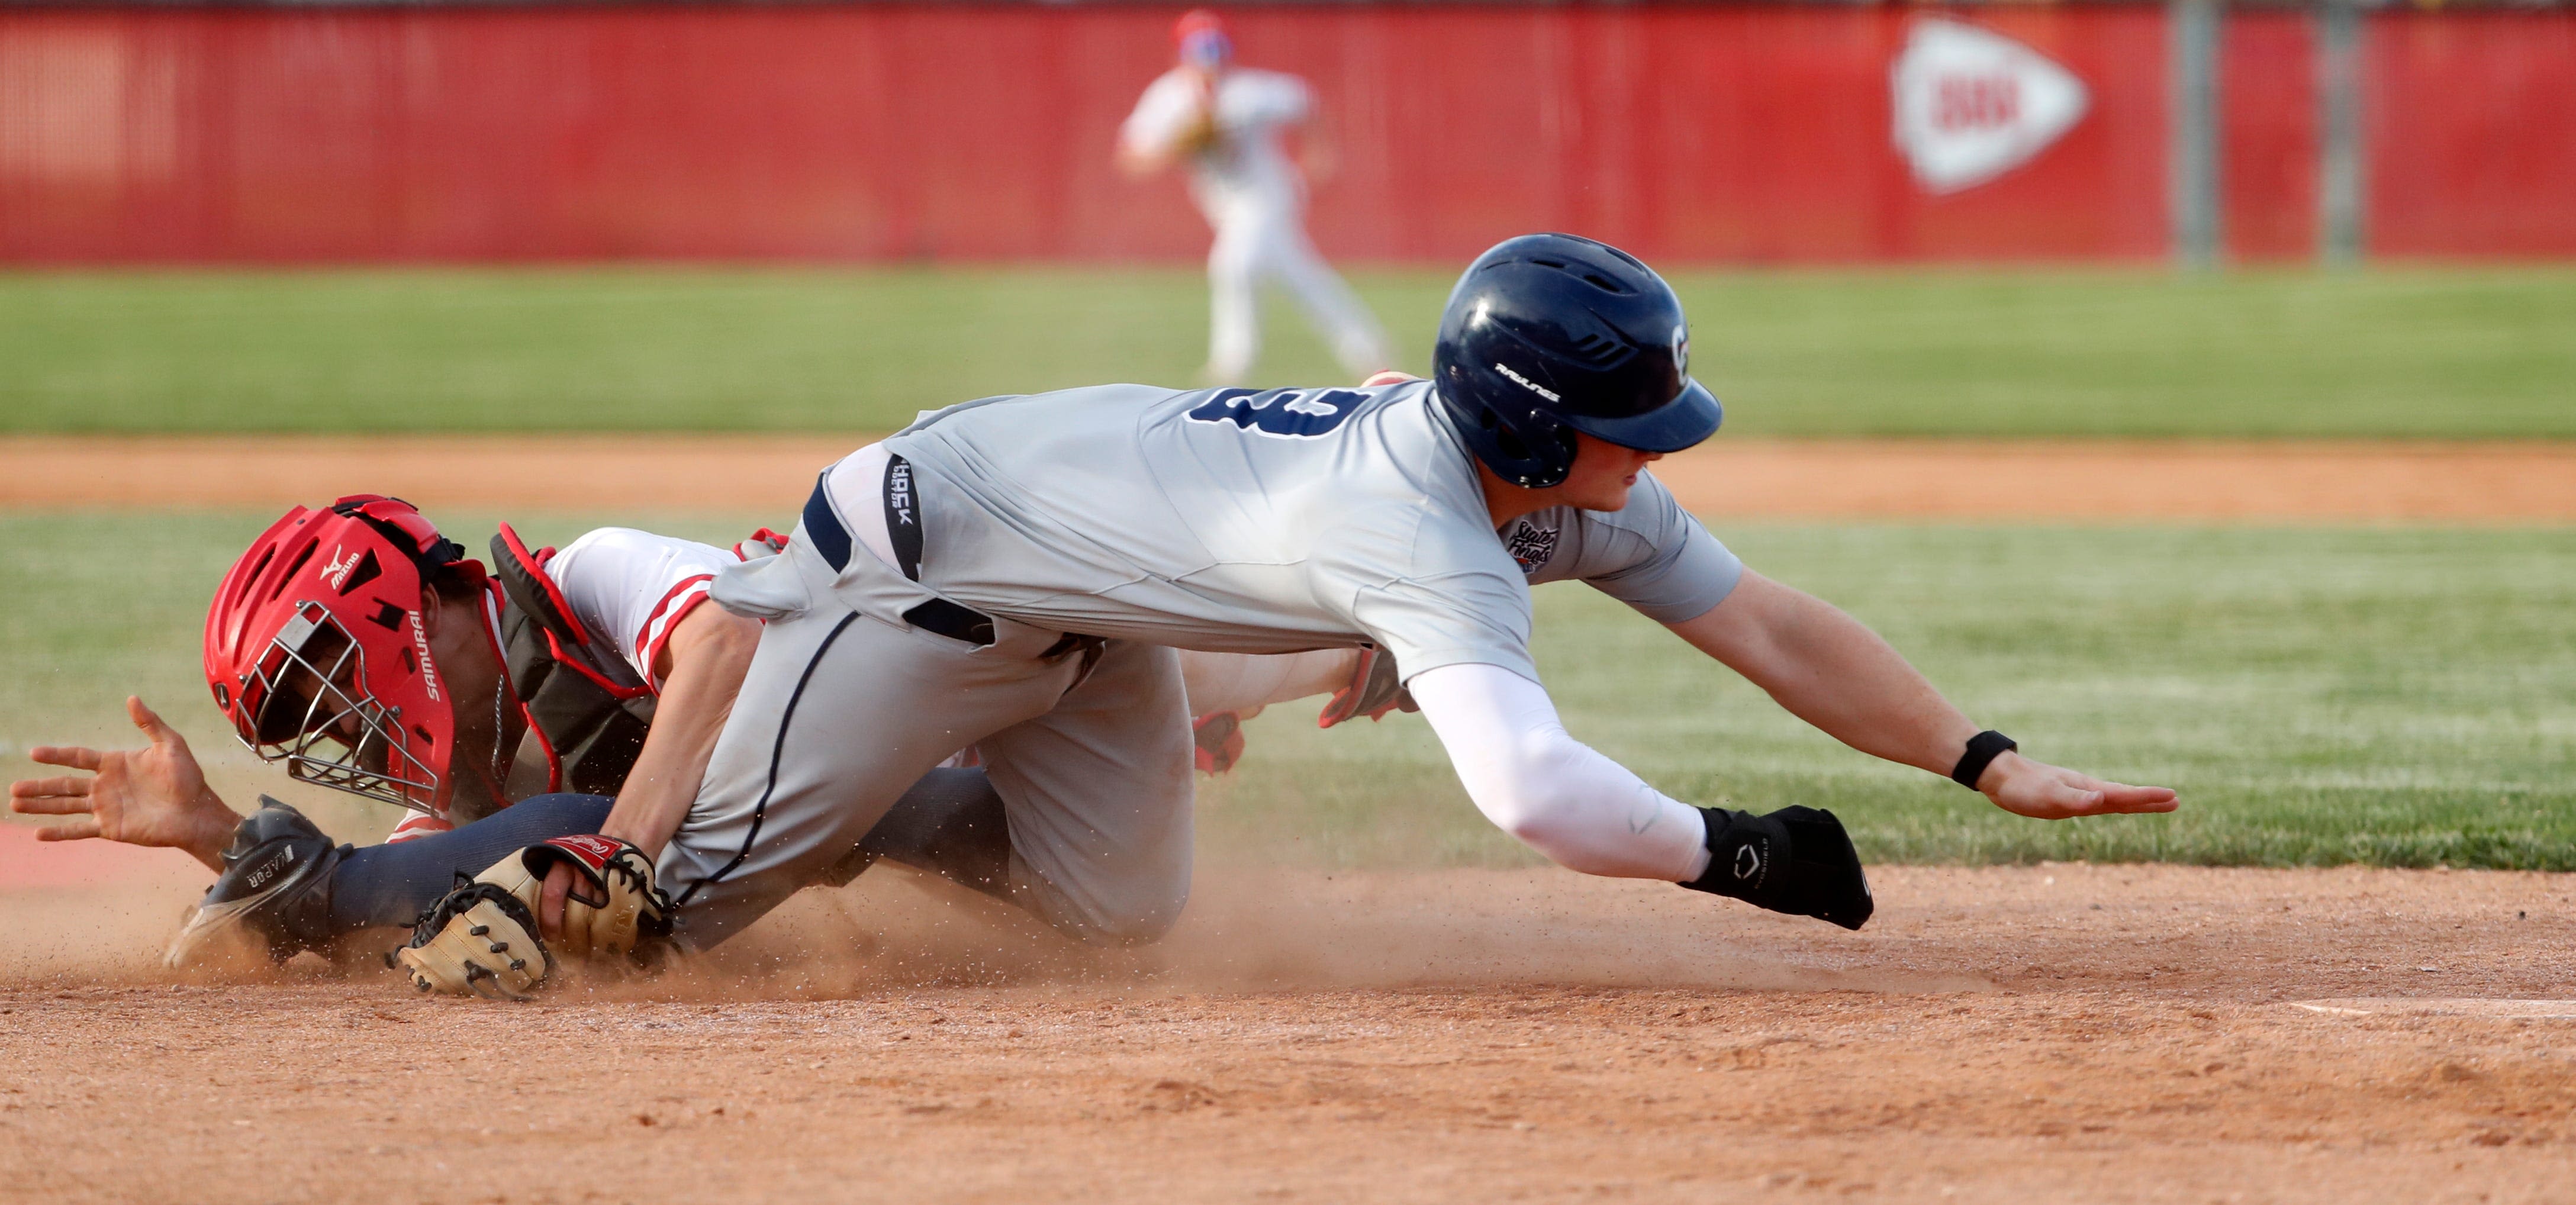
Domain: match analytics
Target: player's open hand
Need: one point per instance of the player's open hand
(153, 796)
(2045, 792)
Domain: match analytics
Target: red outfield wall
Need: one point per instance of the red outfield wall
(960, 132)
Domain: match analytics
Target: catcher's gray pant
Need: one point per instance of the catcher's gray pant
(846, 705)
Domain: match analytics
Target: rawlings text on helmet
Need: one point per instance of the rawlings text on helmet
(1526, 383)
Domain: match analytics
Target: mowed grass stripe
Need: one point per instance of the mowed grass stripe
(2392, 697)
(2391, 352)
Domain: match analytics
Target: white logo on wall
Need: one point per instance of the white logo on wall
(1972, 104)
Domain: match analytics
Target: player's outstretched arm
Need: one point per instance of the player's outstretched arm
(154, 796)
(1833, 672)
(709, 652)
(1555, 794)
(1588, 813)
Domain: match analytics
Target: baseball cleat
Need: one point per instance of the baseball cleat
(276, 885)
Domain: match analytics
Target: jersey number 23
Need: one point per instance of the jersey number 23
(1287, 413)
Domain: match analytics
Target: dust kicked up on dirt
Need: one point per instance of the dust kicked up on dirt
(2048, 1033)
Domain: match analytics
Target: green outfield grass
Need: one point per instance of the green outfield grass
(2402, 697)
(2399, 352)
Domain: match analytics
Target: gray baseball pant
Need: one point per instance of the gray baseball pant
(846, 705)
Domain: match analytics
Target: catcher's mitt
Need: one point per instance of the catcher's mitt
(482, 938)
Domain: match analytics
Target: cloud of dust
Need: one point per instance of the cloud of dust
(1271, 929)
(91, 934)
(1246, 929)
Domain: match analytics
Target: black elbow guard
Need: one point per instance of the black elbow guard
(1796, 860)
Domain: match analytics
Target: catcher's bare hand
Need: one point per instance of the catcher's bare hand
(2045, 792)
(550, 901)
(153, 796)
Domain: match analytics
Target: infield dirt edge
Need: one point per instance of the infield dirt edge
(2473, 483)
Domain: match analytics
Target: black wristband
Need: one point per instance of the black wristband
(1983, 749)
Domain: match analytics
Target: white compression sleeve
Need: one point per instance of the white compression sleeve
(1243, 681)
(1527, 775)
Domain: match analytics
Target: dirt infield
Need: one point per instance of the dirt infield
(2034, 1034)
(1861, 479)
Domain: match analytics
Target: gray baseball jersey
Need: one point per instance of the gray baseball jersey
(1270, 521)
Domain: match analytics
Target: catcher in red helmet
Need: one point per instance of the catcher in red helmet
(364, 651)
(325, 646)
(361, 649)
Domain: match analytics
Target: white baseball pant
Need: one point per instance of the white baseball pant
(1259, 240)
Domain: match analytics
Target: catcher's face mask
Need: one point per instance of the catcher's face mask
(307, 704)
(317, 650)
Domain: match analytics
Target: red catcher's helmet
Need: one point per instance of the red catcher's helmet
(1200, 38)
(317, 652)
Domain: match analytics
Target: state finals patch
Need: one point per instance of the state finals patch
(1531, 545)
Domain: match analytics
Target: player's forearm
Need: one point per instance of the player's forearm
(1247, 681)
(710, 653)
(1138, 162)
(212, 825)
(1557, 795)
(656, 798)
(1832, 671)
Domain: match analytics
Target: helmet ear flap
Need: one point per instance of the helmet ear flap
(1552, 468)
(1516, 459)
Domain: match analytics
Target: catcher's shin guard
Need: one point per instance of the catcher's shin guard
(1796, 860)
(276, 885)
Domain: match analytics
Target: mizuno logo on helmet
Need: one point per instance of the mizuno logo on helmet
(337, 571)
(1528, 384)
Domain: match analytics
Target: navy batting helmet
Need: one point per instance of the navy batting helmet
(1550, 334)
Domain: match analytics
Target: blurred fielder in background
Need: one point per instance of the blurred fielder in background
(1226, 122)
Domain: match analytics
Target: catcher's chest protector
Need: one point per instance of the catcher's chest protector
(590, 713)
